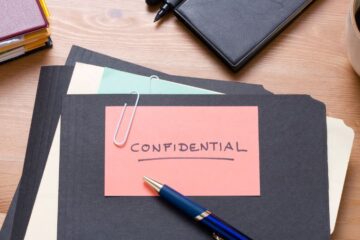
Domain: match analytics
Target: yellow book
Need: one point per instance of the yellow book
(45, 8)
(25, 39)
(17, 52)
(35, 45)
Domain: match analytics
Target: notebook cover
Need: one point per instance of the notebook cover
(20, 16)
(237, 29)
(294, 180)
(53, 84)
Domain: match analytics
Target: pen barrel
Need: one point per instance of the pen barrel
(219, 227)
(222, 229)
(181, 202)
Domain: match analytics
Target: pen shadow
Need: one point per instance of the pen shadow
(182, 217)
(178, 214)
(153, 9)
(237, 75)
(163, 20)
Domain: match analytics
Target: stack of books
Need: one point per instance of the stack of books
(24, 28)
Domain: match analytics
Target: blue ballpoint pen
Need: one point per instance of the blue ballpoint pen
(220, 229)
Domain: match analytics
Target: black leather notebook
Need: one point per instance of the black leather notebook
(237, 29)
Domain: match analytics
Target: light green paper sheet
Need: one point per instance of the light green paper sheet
(116, 82)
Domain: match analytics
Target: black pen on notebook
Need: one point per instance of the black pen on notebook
(219, 228)
(166, 7)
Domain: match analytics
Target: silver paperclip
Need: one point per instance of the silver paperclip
(152, 77)
(123, 141)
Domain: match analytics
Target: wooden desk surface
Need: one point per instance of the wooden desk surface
(308, 57)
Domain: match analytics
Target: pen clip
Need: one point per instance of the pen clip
(216, 237)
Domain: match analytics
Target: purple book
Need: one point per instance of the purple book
(19, 17)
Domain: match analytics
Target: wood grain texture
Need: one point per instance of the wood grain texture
(308, 58)
(2, 218)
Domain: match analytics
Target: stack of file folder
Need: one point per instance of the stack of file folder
(281, 161)
(24, 28)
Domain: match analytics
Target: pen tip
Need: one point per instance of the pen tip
(152, 183)
(156, 18)
(146, 179)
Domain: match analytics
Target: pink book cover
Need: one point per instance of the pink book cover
(19, 17)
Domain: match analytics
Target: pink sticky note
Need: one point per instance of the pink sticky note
(203, 151)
